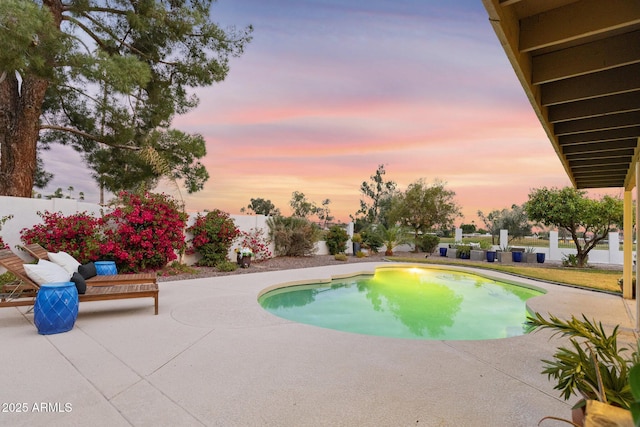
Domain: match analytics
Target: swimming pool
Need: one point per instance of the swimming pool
(408, 302)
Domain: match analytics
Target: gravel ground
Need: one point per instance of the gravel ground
(273, 264)
(288, 263)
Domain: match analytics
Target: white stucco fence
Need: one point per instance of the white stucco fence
(25, 215)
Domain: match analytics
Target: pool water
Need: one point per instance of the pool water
(416, 303)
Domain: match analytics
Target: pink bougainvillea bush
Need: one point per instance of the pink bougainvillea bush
(213, 235)
(144, 231)
(78, 234)
(255, 240)
(4, 219)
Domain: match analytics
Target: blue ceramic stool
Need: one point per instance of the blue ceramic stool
(104, 268)
(56, 308)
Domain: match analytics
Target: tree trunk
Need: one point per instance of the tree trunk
(19, 129)
(20, 110)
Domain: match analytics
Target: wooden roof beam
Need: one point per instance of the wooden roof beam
(610, 121)
(628, 134)
(615, 51)
(594, 107)
(602, 83)
(601, 163)
(599, 146)
(615, 174)
(599, 184)
(575, 21)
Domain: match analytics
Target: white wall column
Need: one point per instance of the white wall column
(627, 255)
(554, 249)
(504, 239)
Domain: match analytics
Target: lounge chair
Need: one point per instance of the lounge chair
(23, 294)
(38, 252)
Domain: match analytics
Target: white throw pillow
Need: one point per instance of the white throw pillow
(46, 272)
(65, 261)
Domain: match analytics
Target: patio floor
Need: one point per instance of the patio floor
(214, 357)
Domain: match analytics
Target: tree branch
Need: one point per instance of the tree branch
(88, 136)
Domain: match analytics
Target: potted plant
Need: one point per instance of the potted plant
(356, 242)
(243, 257)
(504, 254)
(530, 254)
(463, 251)
(517, 254)
(592, 367)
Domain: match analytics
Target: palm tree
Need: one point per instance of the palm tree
(392, 236)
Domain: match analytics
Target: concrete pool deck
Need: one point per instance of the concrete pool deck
(214, 357)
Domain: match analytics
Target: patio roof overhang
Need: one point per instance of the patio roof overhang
(579, 64)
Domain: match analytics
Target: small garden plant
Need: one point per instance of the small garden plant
(213, 235)
(293, 236)
(255, 240)
(336, 239)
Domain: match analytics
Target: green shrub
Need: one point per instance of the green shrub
(213, 235)
(463, 251)
(485, 245)
(429, 243)
(341, 257)
(293, 236)
(371, 240)
(336, 239)
(6, 278)
(227, 266)
(360, 254)
(571, 260)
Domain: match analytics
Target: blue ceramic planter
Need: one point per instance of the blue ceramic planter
(105, 268)
(56, 308)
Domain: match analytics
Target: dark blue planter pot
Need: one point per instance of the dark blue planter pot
(56, 308)
(516, 256)
(443, 251)
(356, 247)
(105, 268)
(465, 256)
(540, 257)
(491, 256)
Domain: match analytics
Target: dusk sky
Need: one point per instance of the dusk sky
(329, 89)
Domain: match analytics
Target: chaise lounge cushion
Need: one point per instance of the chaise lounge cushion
(88, 270)
(81, 285)
(46, 272)
(65, 261)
